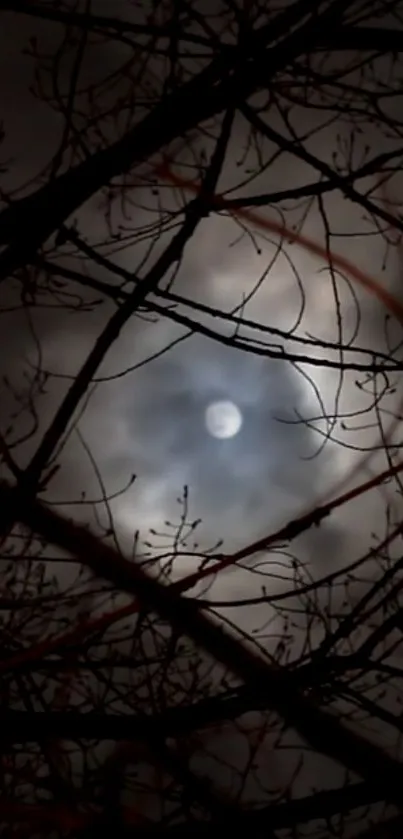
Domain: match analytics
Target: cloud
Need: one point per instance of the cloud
(151, 422)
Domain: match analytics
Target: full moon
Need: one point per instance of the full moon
(223, 419)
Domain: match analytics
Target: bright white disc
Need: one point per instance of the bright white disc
(223, 419)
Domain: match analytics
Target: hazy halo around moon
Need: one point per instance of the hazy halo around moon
(223, 419)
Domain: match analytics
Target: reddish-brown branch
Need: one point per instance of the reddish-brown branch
(392, 303)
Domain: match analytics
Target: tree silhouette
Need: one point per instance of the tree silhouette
(241, 669)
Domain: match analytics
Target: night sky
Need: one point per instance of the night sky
(148, 419)
(151, 421)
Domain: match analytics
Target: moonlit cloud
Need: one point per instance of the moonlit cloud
(151, 421)
(241, 442)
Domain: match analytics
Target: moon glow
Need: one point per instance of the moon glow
(223, 419)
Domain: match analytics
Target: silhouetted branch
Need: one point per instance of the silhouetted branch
(321, 730)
